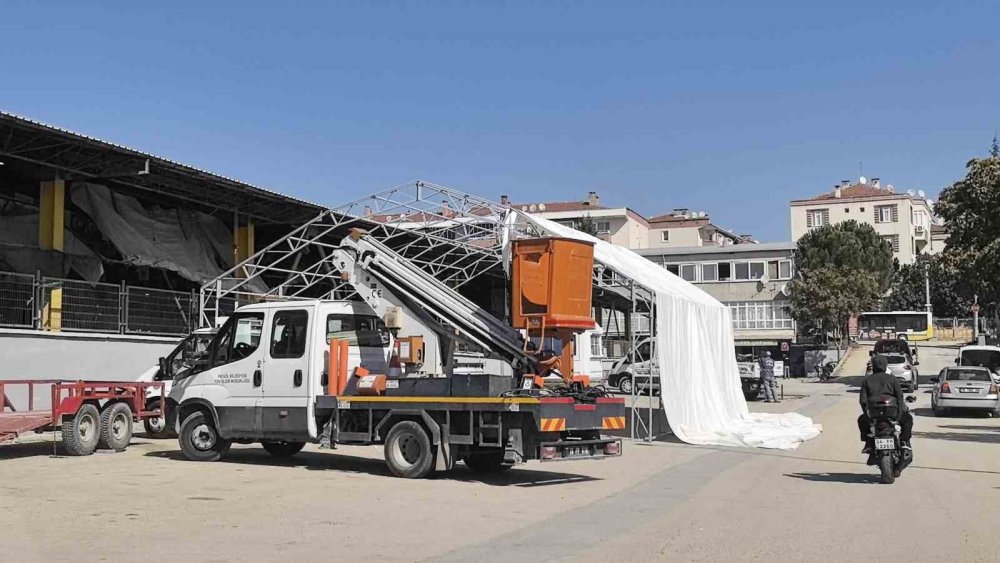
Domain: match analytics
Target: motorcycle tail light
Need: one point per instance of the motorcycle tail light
(945, 388)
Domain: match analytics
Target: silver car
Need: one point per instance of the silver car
(966, 388)
(903, 368)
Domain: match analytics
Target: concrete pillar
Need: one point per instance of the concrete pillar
(52, 236)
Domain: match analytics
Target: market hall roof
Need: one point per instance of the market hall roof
(80, 157)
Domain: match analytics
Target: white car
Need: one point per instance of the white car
(643, 373)
(982, 356)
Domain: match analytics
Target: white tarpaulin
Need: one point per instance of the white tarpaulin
(699, 380)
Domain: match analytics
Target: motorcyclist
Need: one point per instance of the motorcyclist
(880, 384)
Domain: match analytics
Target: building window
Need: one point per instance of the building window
(784, 269)
(886, 214)
(673, 269)
(689, 273)
(862, 210)
(759, 315)
(664, 236)
(817, 218)
(893, 240)
(709, 272)
(756, 270)
(742, 271)
(725, 271)
(847, 210)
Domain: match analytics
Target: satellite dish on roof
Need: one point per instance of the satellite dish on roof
(910, 193)
(764, 278)
(541, 207)
(921, 194)
(785, 290)
(862, 180)
(533, 208)
(701, 214)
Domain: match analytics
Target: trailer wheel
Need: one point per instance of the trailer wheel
(408, 451)
(488, 461)
(283, 449)
(81, 433)
(116, 427)
(200, 440)
(158, 426)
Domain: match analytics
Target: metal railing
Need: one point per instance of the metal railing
(47, 303)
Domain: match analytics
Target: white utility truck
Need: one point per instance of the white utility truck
(381, 371)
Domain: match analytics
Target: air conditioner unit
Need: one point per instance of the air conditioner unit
(919, 229)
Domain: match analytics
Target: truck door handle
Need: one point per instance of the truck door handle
(256, 378)
(297, 378)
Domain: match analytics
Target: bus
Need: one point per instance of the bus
(905, 325)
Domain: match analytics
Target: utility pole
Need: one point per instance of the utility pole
(927, 288)
(975, 317)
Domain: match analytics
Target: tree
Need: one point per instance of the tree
(844, 269)
(951, 294)
(828, 297)
(587, 225)
(847, 246)
(969, 208)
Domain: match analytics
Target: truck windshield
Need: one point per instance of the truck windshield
(357, 330)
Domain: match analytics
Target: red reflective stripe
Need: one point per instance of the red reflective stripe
(585, 407)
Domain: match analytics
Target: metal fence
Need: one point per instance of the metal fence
(36, 302)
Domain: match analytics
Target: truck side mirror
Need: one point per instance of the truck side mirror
(958, 361)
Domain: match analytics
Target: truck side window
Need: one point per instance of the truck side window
(358, 330)
(288, 334)
(239, 338)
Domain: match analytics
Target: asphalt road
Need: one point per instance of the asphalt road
(665, 500)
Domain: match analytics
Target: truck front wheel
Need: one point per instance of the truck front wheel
(200, 440)
(408, 451)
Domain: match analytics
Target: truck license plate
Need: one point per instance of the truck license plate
(885, 443)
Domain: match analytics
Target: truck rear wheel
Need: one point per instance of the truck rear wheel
(116, 427)
(283, 449)
(200, 440)
(408, 451)
(81, 432)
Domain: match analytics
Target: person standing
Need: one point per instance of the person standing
(767, 379)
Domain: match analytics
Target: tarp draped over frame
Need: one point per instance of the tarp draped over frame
(190, 243)
(19, 250)
(699, 379)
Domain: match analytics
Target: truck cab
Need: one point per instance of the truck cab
(267, 362)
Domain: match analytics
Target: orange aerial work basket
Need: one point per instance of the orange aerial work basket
(551, 296)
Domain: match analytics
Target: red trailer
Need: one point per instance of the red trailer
(90, 414)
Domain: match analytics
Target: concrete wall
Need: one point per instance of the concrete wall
(37, 355)
(625, 230)
(679, 237)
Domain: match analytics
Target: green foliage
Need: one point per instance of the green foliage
(847, 247)
(587, 225)
(951, 293)
(971, 209)
(830, 296)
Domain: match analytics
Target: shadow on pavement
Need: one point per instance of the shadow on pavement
(28, 449)
(316, 461)
(959, 437)
(958, 427)
(859, 478)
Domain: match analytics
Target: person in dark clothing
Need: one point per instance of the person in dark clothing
(767, 380)
(880, 384)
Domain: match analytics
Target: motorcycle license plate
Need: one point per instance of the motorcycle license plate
(885, 443)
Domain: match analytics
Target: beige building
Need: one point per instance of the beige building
(903, 219)
(625, 227)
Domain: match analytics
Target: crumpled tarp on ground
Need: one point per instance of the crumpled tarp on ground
(699, 380)
(190, 243)
(19, 250)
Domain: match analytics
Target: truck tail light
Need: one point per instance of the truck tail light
(550, 452)
(613, 448)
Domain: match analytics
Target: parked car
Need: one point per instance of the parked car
(965, 388)
(178, 362)
(641, 375)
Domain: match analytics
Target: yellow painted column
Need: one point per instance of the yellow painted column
(243, 239)
(52, 236)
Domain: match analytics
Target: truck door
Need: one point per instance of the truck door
(286, 390)
(237, 366)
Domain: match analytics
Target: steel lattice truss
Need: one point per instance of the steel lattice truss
(454, 236)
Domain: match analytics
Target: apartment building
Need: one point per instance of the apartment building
(752, 279)
(623, 226)
(617, 225)
(903, 219)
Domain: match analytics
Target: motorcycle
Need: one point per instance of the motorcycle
(825, 372)
(888, 453)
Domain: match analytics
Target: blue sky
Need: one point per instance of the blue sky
(733, 108)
